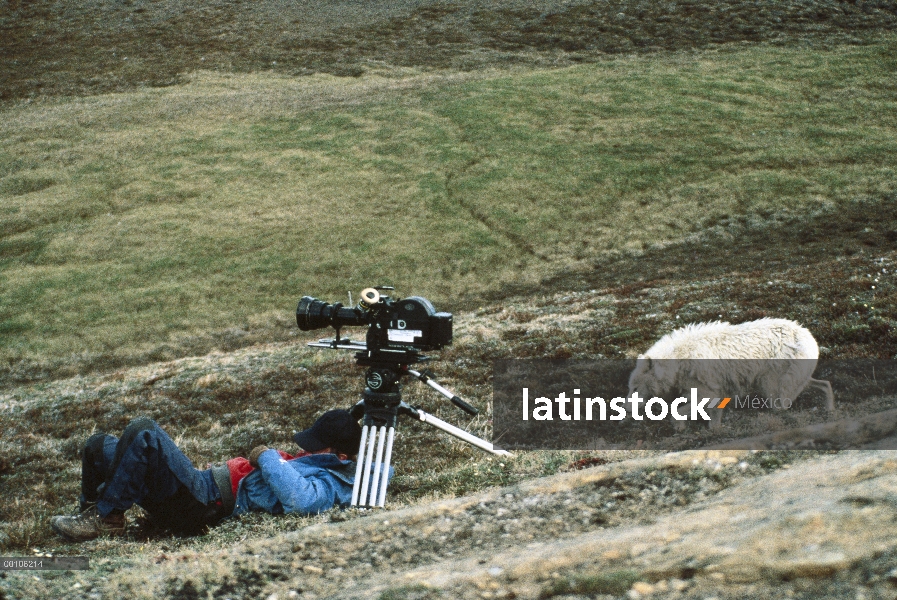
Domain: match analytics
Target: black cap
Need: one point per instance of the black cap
(334, 429)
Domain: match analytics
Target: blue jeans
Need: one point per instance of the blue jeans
(145, 467)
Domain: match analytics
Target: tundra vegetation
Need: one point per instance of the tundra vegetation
(570, 179)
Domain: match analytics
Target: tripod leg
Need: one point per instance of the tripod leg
(366, 474)
(375, 475)
(384, 477)
(458, 433)
(356, 486)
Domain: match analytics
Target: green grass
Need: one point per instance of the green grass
(142, 225)
(614, 582)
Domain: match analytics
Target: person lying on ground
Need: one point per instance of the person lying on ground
(146, 468)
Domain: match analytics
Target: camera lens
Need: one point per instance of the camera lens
(312, 314)
(315, 314)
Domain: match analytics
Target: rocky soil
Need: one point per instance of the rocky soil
(693, 525)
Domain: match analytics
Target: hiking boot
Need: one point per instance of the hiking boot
(88, 525)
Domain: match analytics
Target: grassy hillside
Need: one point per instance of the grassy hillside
(166, 222)
(571, 179)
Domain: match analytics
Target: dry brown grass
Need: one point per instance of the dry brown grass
(99, 46)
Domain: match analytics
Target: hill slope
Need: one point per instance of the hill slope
(173, 176)
(153, 224)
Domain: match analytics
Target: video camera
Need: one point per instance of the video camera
(400, 327)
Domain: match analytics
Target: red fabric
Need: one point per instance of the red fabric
(239, 468)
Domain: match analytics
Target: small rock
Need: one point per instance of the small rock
(678, 585)
(206, 380)
(313, 570)
(643, 588)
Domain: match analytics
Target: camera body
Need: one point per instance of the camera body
(405, 324)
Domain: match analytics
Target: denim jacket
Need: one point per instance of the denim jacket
(308, 485)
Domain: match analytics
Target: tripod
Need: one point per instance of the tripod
(381, 406)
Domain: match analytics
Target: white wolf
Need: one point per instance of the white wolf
(670, 366)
